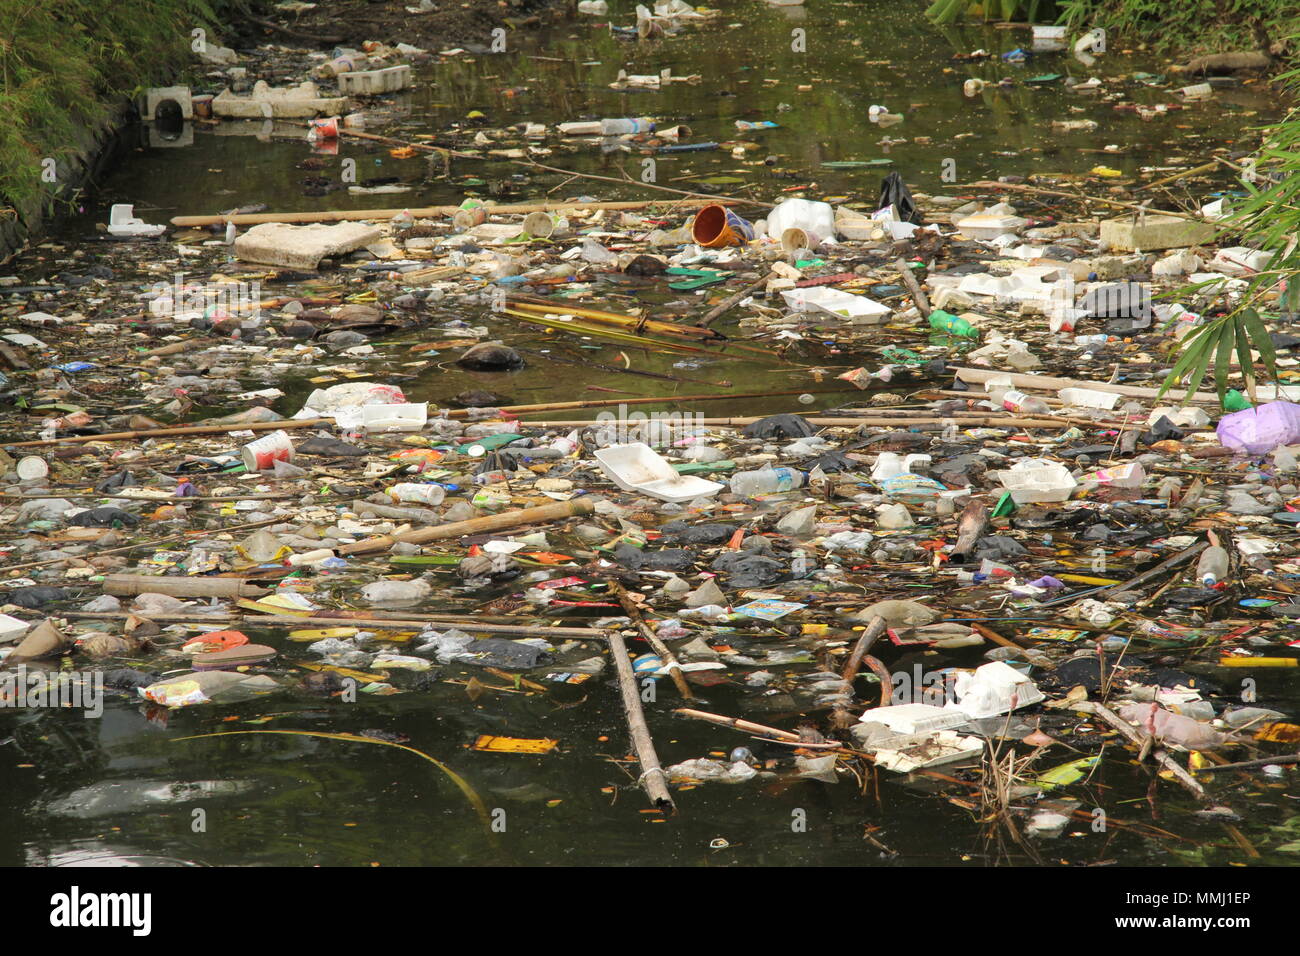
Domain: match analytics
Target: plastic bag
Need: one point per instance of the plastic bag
(894, 192)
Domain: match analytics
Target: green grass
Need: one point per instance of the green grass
(62, 65)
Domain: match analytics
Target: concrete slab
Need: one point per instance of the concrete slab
(302, 247)
(1154, 232)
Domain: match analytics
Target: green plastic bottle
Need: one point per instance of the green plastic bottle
(953, 325)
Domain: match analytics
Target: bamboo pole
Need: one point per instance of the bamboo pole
(423, 212)
(1182, 557)
(652, 779)
(914, 287)
(288, 423)
(497, 522)
(676, 400)
(729, 302)
(978, 376)
(376, 624)
(638, 325)
(670, 660)
(125, 584)
(1124, 727)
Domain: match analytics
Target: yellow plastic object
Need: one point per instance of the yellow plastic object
(515, 745)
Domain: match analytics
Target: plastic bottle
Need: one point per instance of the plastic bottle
(623, 127)
(1014, 401)
(942, 321)
(765, 481)
(411, 491)
(1213, 566)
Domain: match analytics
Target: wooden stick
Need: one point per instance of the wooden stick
(729, 302)
(1019, 187)
(1182, 557)
(1162, 757)
(660, 648)
(1032, 654)
(877, 627)
(1281, 761)
(637, 324)
(914, 287)
(497, 522)
(652, 779)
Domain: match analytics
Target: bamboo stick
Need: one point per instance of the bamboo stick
(652, 779)
(181, 586)
(288, 423)
(677, 400)
(1182, 557)
(424, 212)
(909, 280)
(729, 302)
(660, 648)
(736, 723)
(529, 304)
(375, 624)
(978, 376)
(1162, 758)
(497, 522)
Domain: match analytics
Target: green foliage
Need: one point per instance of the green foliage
(949, 11)
(1186, 25)
(62, 63)
(1270, 220)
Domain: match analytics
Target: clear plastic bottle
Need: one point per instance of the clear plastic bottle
(412, 492)
(623, 127)
(1213, 566)
(765, 481)
(1014, 401)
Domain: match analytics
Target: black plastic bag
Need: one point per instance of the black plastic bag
(894, 192)
(105, 517)
(779, 426)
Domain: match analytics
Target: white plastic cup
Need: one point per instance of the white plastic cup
(262, 454)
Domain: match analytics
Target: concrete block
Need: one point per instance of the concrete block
(372, 82)
(302, 247)
(1154, 232)
(154, 96)
(292, 102)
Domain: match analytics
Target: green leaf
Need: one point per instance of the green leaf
(1222, 365)
(1259, 335)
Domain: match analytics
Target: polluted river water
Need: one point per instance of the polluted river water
(141, 785)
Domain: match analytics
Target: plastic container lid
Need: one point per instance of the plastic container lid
(32, 467)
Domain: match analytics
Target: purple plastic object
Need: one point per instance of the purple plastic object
(1257, 431)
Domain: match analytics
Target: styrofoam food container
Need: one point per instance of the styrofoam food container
(637, 467)
(843, 305)
(1036, 480)
(989, 690)
(989, 227)
(407, 417)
